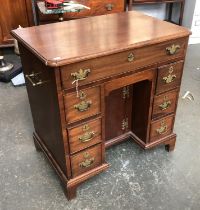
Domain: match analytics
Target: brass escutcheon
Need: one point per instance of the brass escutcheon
(82, 95)
(170, 78)
(172, 49)
(109, 7)
(131, 57)
(85, 127)
(166, 104)
(80, 75)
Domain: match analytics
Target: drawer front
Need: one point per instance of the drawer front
(161, 128)
(97, 7)
(85, 105)
(107, 66)
(165, 104)
(86, 160)
(169, 77)
(84, 135)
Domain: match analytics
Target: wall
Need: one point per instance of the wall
(155, 10)
(189, 12)
(195, 38)
(159, 11)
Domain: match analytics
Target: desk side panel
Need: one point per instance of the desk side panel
(44, 105)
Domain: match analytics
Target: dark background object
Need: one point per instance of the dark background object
(13, 14)
(5, 66)
(14, 69)
(97, 8)
(8, 75)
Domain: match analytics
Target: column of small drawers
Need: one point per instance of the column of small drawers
(83, 115)
(165, 100)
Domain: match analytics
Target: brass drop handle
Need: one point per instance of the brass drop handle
(165, 105)
(171, 77)
(109, 7)
(162, 129)
(88, 160)
(34, 79)
(87, 163)
(82, 74)
(173, 49)
(83, 106)
(131, 57)
(86, 137)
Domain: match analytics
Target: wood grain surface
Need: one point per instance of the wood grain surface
(170, 97)
(13, 14)
(72, 41)
(76, 160)
(168, 121)
(76, 132)
(102, 44)
(164, 72)
(70, 100)
(118, 63)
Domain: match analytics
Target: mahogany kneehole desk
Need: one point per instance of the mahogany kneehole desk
(95, 82)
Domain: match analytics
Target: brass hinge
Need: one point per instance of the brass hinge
(125, 92)
(125, 124)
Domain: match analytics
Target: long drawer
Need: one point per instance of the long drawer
(107, 66)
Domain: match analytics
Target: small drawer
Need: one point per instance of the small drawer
(165, 104)
(85, 135)
(169, 77)
(161, 128)
(86, 160)
(85, 105)
(103, 67)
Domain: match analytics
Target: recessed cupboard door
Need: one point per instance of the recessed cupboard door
(113, 124)
(118, 108)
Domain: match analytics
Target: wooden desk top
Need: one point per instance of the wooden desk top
(71, 41)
